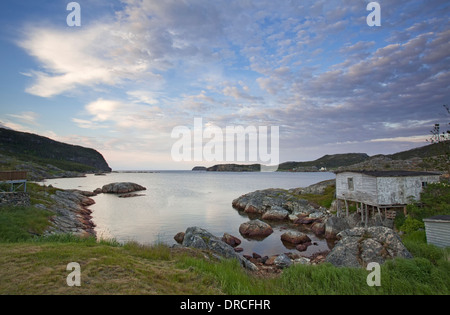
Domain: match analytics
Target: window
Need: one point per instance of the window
(424, 184)
(351, 186)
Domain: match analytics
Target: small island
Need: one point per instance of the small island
(199, 169)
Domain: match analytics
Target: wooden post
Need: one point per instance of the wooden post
(367, 215)
(346, 207)
(362, 213)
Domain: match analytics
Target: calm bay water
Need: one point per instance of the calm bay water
(176, 200)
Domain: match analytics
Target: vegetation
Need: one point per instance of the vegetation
(24, 151)
(39, 267)
(34, 264)
(434, 200)
(324, 199)
(327, 161)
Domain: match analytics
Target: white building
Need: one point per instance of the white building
(378, 190)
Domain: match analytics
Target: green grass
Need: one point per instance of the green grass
(33, 264)
(324, 199)
(38, 266)
(21, 223)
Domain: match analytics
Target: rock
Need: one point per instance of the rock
(360, 246)
(255, 228)
(305, 220)
(130, 195)
(121, 188)
(238, 249)
(282, 261)
(71, 214)
(303, 247)
(202, 239)
(334, 225)
(250, 208)
(256, 255)
(231, 240)
(295, 237)
(98, 191)
(316, 189)
(302, 261)
(179, 237)
(270, 261)
(318, 228)
(276, 213)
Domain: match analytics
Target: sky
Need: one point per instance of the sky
(136, 69)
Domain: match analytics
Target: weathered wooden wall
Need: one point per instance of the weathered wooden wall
(381, 191)
(365, 188)
(400, 190)
(13, 175)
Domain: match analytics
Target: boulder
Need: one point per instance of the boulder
(303, 247)
(334, 225)
(255, 228)
(179, 237)
(199, 238)
(231, 240)
(295, 237)
(276, 213)
(282, 261)
(360, 246)
(121, 188)
(305, 220)
(318, 228)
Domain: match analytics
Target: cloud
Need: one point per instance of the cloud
(314, 68)
(29, 118)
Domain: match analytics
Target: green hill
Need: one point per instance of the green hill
(327, 161)
(44, 157)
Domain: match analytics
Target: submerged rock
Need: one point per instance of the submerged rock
(231, 240)
(295, 237)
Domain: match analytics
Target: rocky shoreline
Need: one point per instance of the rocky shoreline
(355, 245)
(71, 208)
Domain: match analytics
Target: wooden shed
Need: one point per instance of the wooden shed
(437, 229)
(14, 180)
(382, 190)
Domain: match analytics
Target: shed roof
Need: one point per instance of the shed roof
(444, 218)
(393, 173)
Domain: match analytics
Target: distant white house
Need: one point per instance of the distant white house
(382, 190)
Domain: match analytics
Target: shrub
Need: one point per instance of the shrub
(411, 225)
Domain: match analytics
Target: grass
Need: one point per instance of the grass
(324, 199)
(33, 264)
(21, 223)
(38, 266)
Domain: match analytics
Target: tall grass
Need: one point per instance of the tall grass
(22, 223)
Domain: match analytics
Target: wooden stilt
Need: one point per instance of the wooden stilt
(367, 215)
